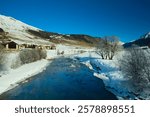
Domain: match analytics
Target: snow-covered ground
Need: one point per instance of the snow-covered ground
(15, 76)
(68, 50)
(14, 73)
(108, 71)
(105, 69)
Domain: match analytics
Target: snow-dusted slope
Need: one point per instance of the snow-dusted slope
(18, 31)
(144, 40)
(9, 24)
(147, 35)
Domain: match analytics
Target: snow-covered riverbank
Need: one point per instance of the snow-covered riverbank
(11, 77)
(15, 76)
(108, 71)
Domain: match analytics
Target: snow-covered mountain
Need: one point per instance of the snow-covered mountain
(10, 24)
(147, 35)
(24, 33)
(17, 31)
(142, 41)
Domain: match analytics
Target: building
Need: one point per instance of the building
(10, 45)
(28, 46)
(53, 47)
(50, 47)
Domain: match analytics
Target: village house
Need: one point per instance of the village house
(10, 45)
(50, 47)
(53, 47)
(28, 46)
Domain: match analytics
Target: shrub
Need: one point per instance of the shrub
(135, 66)
(31, 55)
(42, 53)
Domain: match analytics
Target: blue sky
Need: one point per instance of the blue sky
(128, 19)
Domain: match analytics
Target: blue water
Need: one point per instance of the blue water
(64, 79)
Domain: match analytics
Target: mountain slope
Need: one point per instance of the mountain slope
(23, 33)
(73, 39)
(17, 31)
(142, 41)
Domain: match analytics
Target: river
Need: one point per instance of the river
(63, 79)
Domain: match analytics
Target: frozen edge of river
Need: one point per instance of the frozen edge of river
(14, 77)
(107, 71)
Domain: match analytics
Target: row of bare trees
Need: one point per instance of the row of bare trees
(108, 47)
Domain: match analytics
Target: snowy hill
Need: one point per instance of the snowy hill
(24, 33)
(17, 31)
(11, 24)
(147, 35)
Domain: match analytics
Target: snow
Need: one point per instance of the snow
(11, 77)
(68, 50)
(15, 76)
(147, 35)
(10, 23)
(18, 31)
(108, 71)
(51, 54)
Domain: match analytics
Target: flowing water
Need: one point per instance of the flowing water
(63, 79)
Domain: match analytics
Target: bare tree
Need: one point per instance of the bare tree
(113, 46)
(108, 47)
(101, 49)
